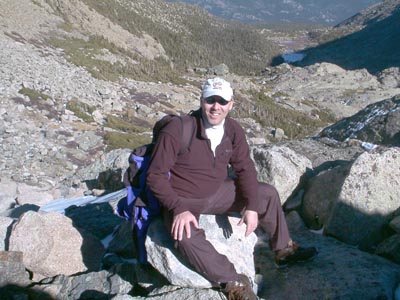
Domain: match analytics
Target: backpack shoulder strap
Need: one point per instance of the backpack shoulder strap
(187, 133)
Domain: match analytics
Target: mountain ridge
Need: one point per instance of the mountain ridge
(314, 12)
(368, 40)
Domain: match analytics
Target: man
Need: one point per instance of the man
(196, 182)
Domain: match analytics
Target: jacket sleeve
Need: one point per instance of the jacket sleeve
(244, 167)
(162, 160)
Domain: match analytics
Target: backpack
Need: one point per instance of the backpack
(140, 206)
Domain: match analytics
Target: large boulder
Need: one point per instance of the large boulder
(223, 233)
(390, 77)
(378, 123)
(281, 167)
(93, 285)
(321, 192)
(219, 70)
(355, 202)
(52, 245)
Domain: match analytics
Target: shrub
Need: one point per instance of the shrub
(83, 53)
(81, 110)
(118, 140)
(126, 131)
(270, 114)
(124, 124)
(33, 94)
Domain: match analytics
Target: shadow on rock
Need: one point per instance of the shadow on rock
(345, 52)
(13, 292)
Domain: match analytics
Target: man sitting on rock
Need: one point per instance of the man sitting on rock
(196, 182)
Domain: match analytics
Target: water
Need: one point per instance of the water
(293, 57)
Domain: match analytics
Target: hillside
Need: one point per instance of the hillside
(97, 57)
(187, 35)
(368, 40)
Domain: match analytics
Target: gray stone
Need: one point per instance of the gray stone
(54, 246)
(378, 123)
(12, 269)
(28, 194)
(279, 133)
(320, 195)
(93, 285)
(390, 77)
(219, 70)
(167, 261)
(368, 196)
(201, 71)
(189, 294)
(281, 167)
(143, 275)
(324, 153)
(356, 201)
(126, 297)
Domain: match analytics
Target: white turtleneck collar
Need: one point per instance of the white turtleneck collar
(214, 133)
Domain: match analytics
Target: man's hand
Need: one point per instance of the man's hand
(181, 223)
(250, 218)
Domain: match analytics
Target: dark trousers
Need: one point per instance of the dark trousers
(202, 254)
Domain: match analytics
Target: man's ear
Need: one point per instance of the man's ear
(231, 105)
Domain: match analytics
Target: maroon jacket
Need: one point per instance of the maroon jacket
(197, 173)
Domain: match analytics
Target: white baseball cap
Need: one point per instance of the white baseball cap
(217, 87)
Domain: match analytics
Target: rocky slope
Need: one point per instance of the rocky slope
(368, 40)
(55, 120)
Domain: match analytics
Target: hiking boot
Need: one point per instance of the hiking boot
(239, 290)
(293, 253)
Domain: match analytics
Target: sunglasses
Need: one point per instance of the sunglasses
(212, 100)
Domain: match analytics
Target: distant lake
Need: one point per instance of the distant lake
(293, 57)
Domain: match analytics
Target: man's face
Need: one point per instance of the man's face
(216, 109)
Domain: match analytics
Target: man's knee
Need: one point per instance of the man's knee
(268, 194)
(268, 190)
